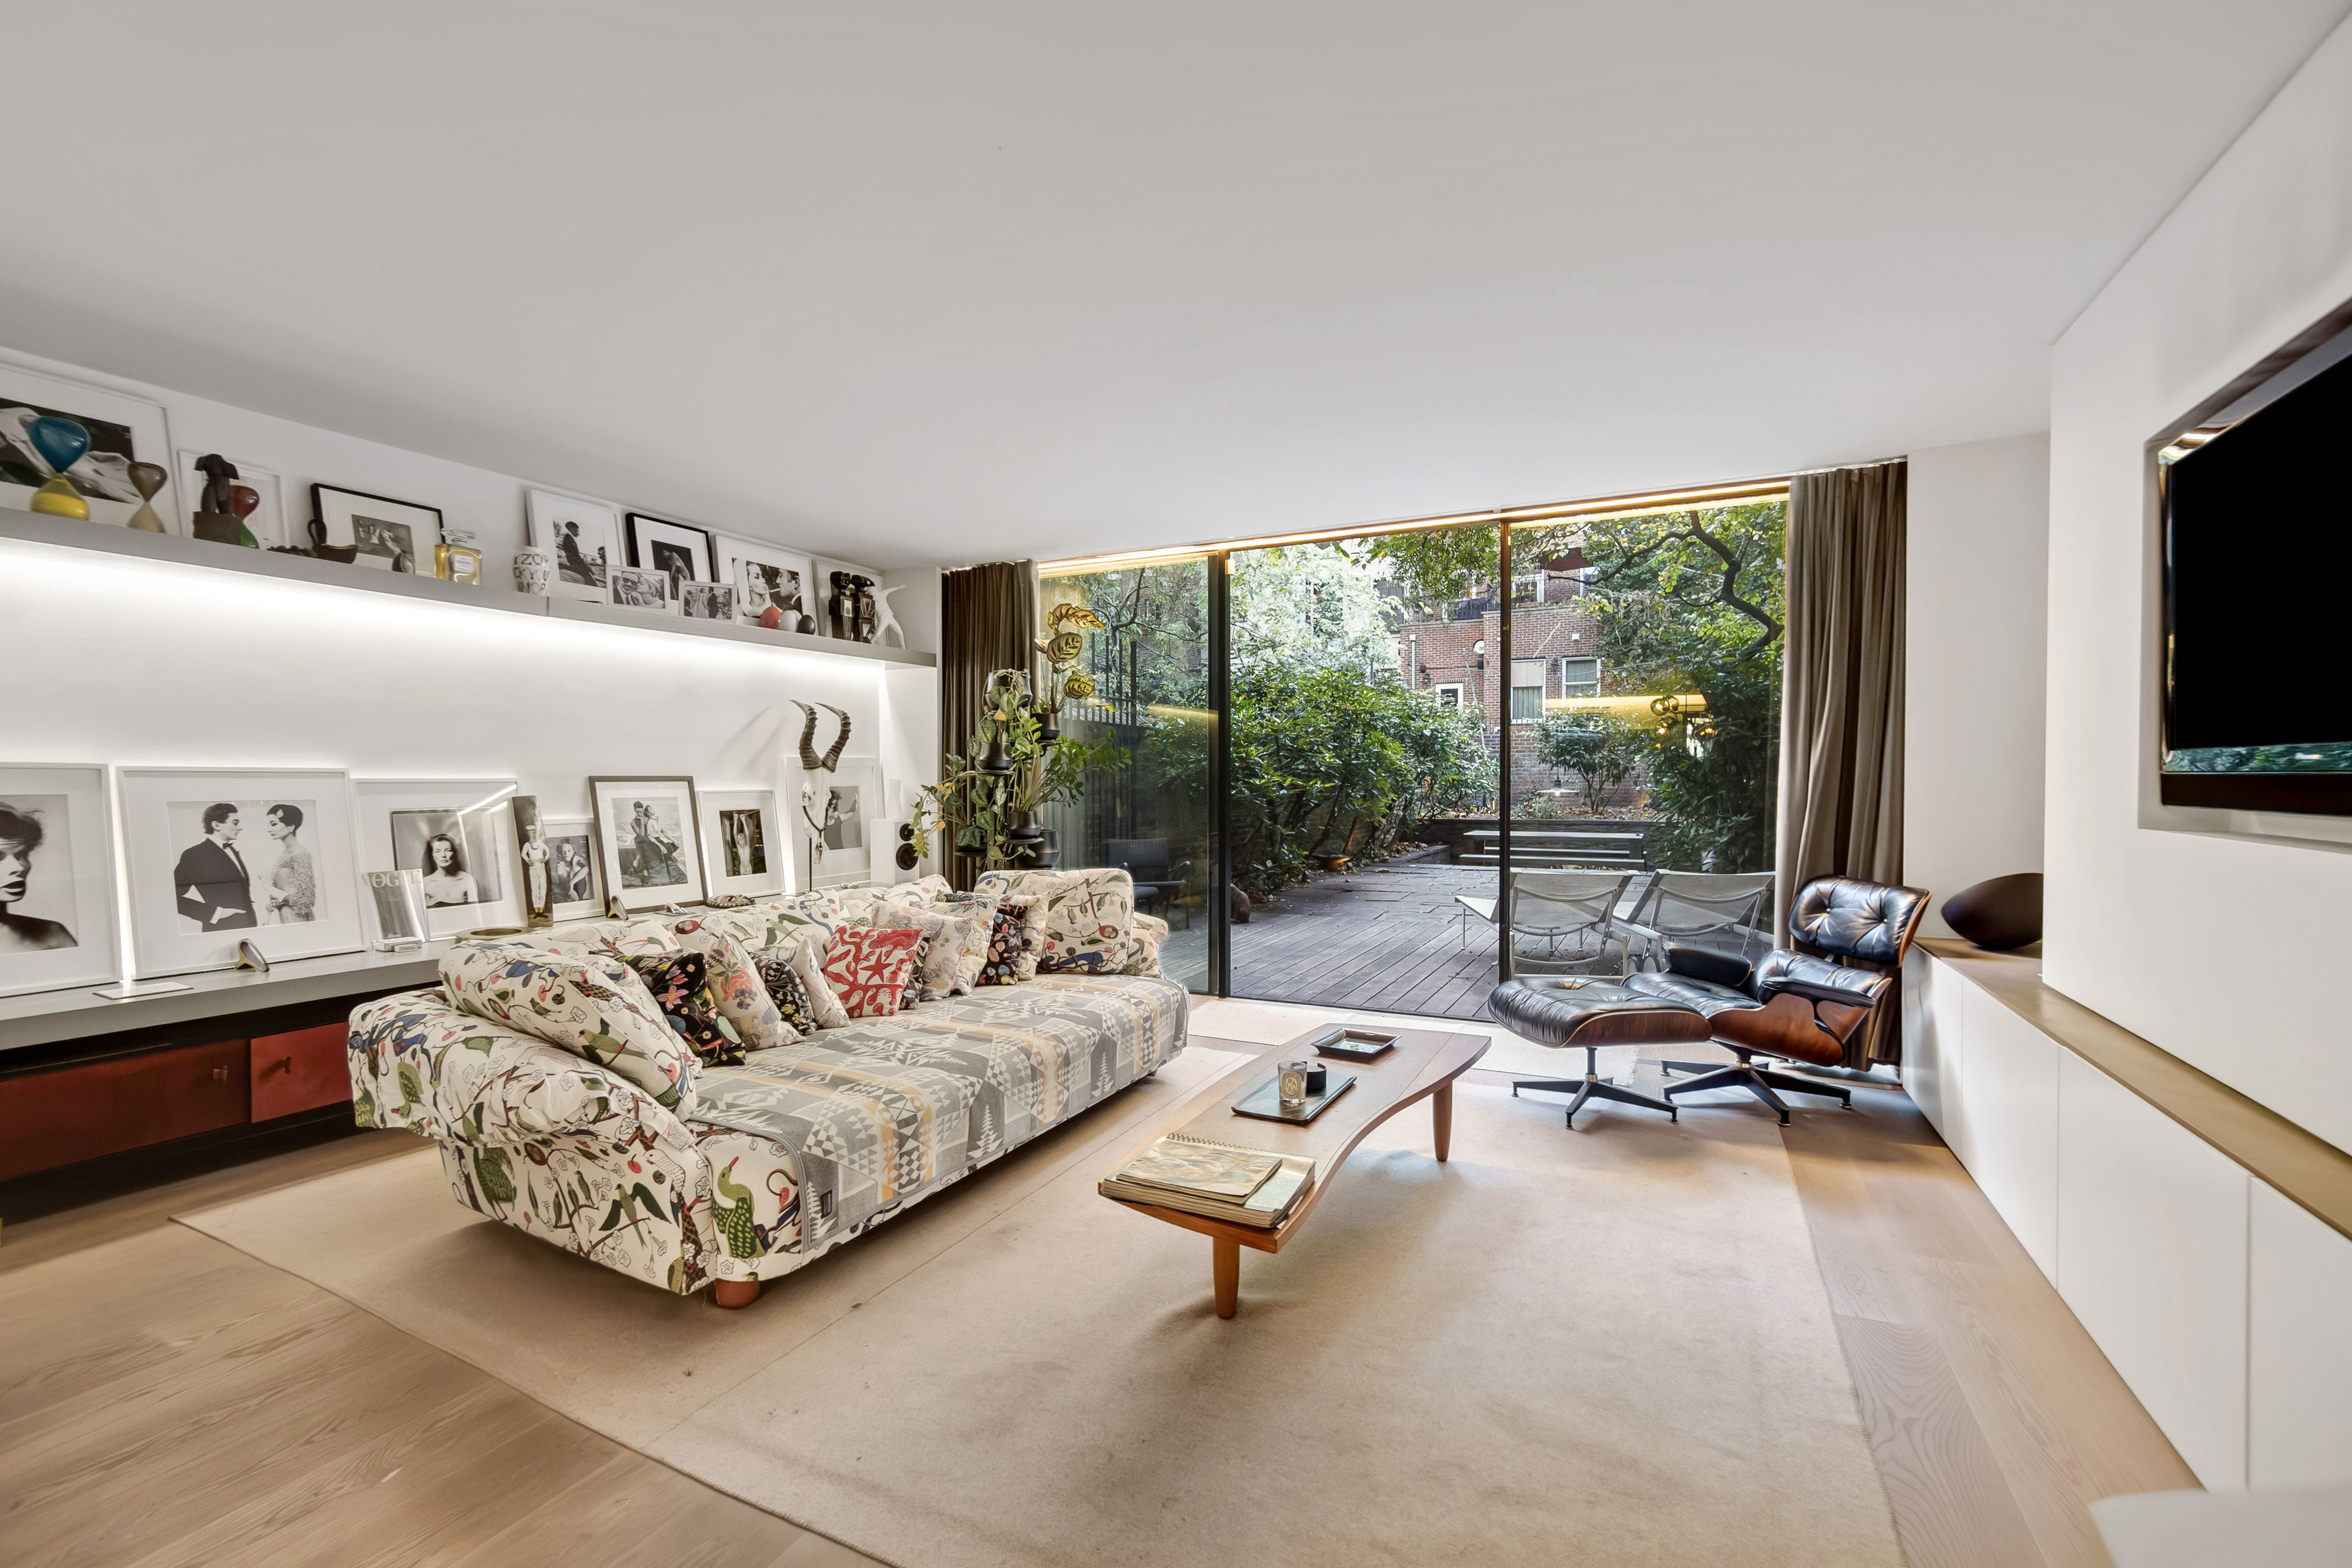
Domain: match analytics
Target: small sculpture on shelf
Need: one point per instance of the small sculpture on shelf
(850, 608)
(217, 516)
(60, 443)
(149, 478)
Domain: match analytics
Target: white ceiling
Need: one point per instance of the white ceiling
(952, 282)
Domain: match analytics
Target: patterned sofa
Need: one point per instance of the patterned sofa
(759, 1168)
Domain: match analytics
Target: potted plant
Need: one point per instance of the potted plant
(1020, 762)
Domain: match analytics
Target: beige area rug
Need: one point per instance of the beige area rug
(1605, 1346)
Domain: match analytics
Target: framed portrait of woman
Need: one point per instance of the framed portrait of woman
(648, 840)
(57, 879)
(459, 835)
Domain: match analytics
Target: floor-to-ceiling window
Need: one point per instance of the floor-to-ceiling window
(1151, 809)
(1349, 771)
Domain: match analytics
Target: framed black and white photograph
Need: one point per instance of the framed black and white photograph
(122, 430)
(709, 601)
(773, 587)
(854, 795)
(679, 551)
(744, 845)
(638, 588)
(459, 835)
(572, 867)
(218, 856)
(584, 537)
(390, 535)
(648, 840)
(57, 879)
(266, 521)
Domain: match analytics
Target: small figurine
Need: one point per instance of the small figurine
(215, 516)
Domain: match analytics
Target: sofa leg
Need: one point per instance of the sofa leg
(734, 1292)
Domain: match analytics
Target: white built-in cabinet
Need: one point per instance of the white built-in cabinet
(2220, 1301)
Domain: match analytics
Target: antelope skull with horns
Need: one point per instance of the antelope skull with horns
(816, 775)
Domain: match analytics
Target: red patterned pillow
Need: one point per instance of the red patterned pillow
(870, 969)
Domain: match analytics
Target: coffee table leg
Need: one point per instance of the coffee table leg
(1226, 1266)
(1441, 1118)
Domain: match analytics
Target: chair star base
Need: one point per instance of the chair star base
(1591, 1086)
(1760, 1081)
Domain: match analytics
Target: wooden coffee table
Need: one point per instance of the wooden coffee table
(1423, 1065)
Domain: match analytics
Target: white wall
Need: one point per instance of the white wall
(1976, 608)
(141, 662)
(2227, 951)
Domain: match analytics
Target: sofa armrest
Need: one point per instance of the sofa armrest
(1817, 980)
(420, 1064)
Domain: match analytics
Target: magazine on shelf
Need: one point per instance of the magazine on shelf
(1275, 1182)
(399, 898)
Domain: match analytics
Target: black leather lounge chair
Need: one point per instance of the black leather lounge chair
(1812, 1002)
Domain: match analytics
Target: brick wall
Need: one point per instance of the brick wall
(1438, 653)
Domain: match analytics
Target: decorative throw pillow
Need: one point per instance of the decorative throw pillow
(591, 1006)
(868, 968)
(921, 890)
(770, 923)
(945, 938)
(612, 938)
(743, 1000)
(978, 911)
(805, 954)
(785, 992)
(1012, 938)
(681, 983)
(1145, 935)
(1087, 915)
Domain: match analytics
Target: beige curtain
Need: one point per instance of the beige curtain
(988, 620)
(1841, 714)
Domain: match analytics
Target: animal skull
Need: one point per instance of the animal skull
(817, 774)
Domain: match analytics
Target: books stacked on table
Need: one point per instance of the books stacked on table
(1215, 1181)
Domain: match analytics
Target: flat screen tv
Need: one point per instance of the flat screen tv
(2257, 517)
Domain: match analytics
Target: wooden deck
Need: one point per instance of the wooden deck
(1385, 939)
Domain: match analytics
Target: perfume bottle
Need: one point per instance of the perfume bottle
(455, 560)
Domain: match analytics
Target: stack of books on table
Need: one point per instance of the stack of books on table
(1215, 1181)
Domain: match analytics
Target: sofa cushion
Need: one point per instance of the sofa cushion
(680, 985)
(955, 945)
(978, 910)
(591, 1006)
(1013, 935)
(781, 978)
(869, 969)
(744, 999)
(1087, 915)
(770, 923)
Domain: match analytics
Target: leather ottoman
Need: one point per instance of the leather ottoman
(1589, 1013)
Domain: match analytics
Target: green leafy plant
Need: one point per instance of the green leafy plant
(1602, 747)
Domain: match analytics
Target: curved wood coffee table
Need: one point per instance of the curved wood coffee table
(1423, 1065)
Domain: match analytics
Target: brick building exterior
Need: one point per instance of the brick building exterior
(1454, 651)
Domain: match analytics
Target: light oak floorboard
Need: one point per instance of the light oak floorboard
(166, 1400)
(1995, 1418)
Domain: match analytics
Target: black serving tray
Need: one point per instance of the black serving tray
(1265, 1101)
(1353, 1044)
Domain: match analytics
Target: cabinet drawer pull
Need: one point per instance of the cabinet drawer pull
(220, 1075)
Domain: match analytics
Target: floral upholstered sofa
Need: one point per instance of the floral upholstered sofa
(571, 1102)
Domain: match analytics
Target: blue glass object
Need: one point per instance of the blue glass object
(60, 442)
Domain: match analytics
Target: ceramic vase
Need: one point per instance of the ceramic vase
(534, 567)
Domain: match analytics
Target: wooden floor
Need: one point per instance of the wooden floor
(164, 1399)
(1387, 938)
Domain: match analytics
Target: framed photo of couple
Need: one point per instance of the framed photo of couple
(219, 856)
(648, 841)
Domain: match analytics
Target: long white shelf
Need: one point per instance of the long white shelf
(106, 539)
(43, 1017)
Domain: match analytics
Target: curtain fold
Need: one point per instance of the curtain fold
(988, 620)
(1842, 713)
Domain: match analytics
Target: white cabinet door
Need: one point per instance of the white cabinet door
(2006, 1083)
(2152, 1258)
(2299, 1365)
(1926, 981)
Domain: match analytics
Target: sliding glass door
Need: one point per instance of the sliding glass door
(1329, 763)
